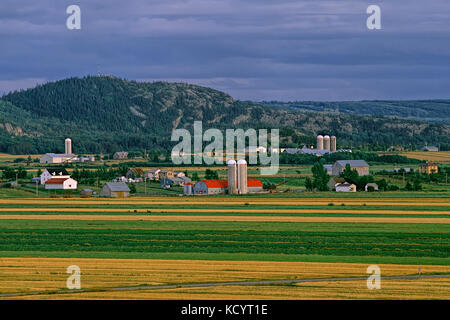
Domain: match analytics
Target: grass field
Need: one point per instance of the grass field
(172, 240)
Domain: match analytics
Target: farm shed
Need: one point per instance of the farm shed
(115, 190)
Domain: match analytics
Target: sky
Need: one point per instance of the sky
(256, 50)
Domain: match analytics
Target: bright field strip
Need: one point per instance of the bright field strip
(47, 276)
(222, 218)
(234, 210)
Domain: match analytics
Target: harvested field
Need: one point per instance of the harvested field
(47, 274)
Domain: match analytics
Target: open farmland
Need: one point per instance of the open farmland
(441, 156)
(133, 242)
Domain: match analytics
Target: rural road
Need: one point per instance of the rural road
(216, 284)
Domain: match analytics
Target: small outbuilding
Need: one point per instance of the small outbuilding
(86, 192)
(115, 190)
(345, 187)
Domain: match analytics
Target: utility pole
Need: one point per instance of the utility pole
(37, 189)
(145, 185)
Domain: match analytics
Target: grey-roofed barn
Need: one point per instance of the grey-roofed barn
(360, 166)
(115, 190)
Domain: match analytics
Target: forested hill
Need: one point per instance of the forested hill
(107, 114)
(424, 110)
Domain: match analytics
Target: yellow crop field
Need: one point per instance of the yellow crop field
(49, 274)
(223, 218)
(391, 289)
(430, 156)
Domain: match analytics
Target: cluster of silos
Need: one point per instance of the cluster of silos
(237, 177)
(326, 143)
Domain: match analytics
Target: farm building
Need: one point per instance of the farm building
(166, 174)
(210, 187)
(328, 168)
(430, 149)
(334, 181)
(135, 173)
(58, 183)
(56, 158)
(371, 186)
(86, 192)
(345, 187)
(360, 166)
(428, 167)
(121, 155)
(179, 174)
(49, 173)
(188, 189)
(152, 174)
(115, 190)
(176, 181)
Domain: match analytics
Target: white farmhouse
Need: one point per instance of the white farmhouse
(53, 173)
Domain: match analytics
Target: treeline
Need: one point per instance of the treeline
(370, 157)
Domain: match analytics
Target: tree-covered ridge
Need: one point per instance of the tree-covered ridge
(107, 114)
(424, 110)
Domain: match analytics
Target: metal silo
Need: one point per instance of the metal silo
(319, 142)
(242, 176)
(326, 142)
(333, 144)
(232, 177)
(68, 146)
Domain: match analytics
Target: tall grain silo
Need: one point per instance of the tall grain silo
(333, 144)
(326, 142)
(242, 176)
(319, 142)
(232, 177)
(68, 146)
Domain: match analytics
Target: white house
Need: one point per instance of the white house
(61, 184)
(53, 173)
(345, 187)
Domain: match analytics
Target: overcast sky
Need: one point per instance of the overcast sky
(252, 49)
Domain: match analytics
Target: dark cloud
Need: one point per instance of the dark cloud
(251, 49)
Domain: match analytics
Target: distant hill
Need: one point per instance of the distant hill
(107, 114)
(423, 110)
